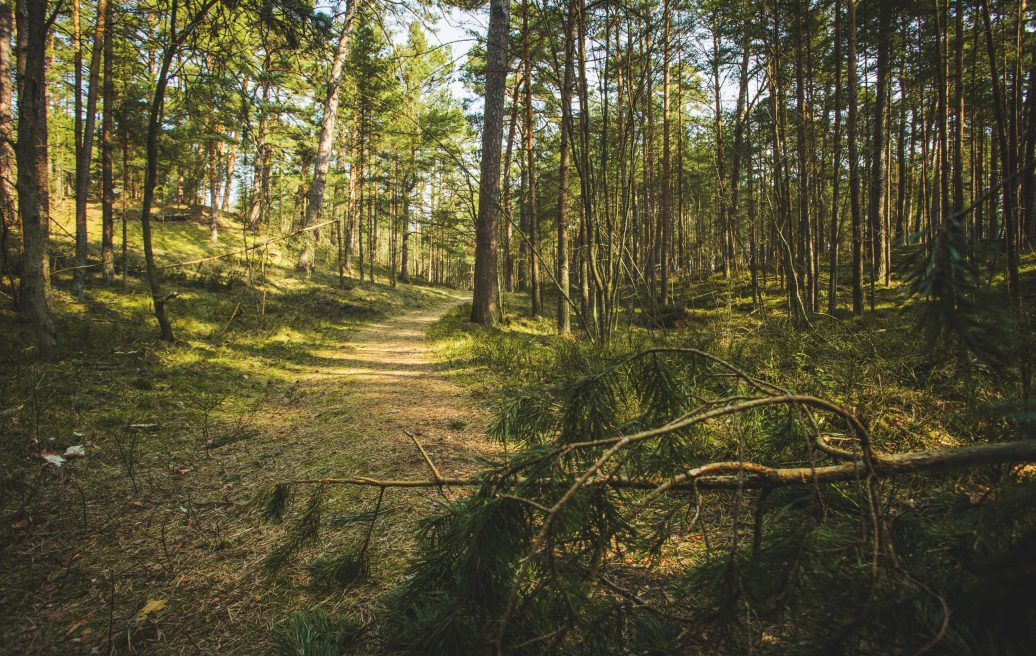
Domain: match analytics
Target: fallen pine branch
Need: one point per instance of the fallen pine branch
(747, 475)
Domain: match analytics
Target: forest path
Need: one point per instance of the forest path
(395, 384)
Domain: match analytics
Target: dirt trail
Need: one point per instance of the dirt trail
(394, 383)
(185, 543)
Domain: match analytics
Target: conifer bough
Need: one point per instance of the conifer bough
(734, 475)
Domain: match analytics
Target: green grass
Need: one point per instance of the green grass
(177, 435)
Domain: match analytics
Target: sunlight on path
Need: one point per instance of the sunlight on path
(394, 384)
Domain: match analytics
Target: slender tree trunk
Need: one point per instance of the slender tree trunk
(665, 219)
(535, 293)
(107, 148)
(722, 191)
(876, 201)
(354, 189)
(307, 257)
(565, 154)
(85, 150)
(213, 194)
(176, 39)
(854, 165)
(805, 280)
(228, 176)
(8, 211)
(259, 200)
(1006, 168)
(506, 219)
(484, 304)
(836, 171)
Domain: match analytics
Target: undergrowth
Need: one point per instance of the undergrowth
(173, 436)
(939, 565)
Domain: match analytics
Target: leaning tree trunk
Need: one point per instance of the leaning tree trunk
(84, 153)
(307, 257)
(176, 39)
(31, 155)
(484, 300)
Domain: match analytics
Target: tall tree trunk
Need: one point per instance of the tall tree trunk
(176, 39)
(213, 194)
(722, 191)
(664, 218)
(565, 154)
(958, 109)
(854, 167)
(355, 184)
(876, 199)
(8, 212)
(535, 293)
(231, 165)
(85, 150)
(836, 171)
(1006, 165)
(508, 227)
(484, 303)
(404, 251)
(31, 155)
(307, 257)
(107, 148)
(260, 174)
(803, 111)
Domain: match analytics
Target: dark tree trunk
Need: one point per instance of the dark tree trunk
(31, 155)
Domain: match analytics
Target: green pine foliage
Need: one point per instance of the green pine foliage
(787, 571)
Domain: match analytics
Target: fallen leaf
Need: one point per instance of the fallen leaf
(75, 626)
(152, 606)
(53, 459)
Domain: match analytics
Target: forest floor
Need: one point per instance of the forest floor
(176, 567)
(146, 544)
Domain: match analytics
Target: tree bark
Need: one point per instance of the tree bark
(31, 155)
(484, 303)
(8, 212)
